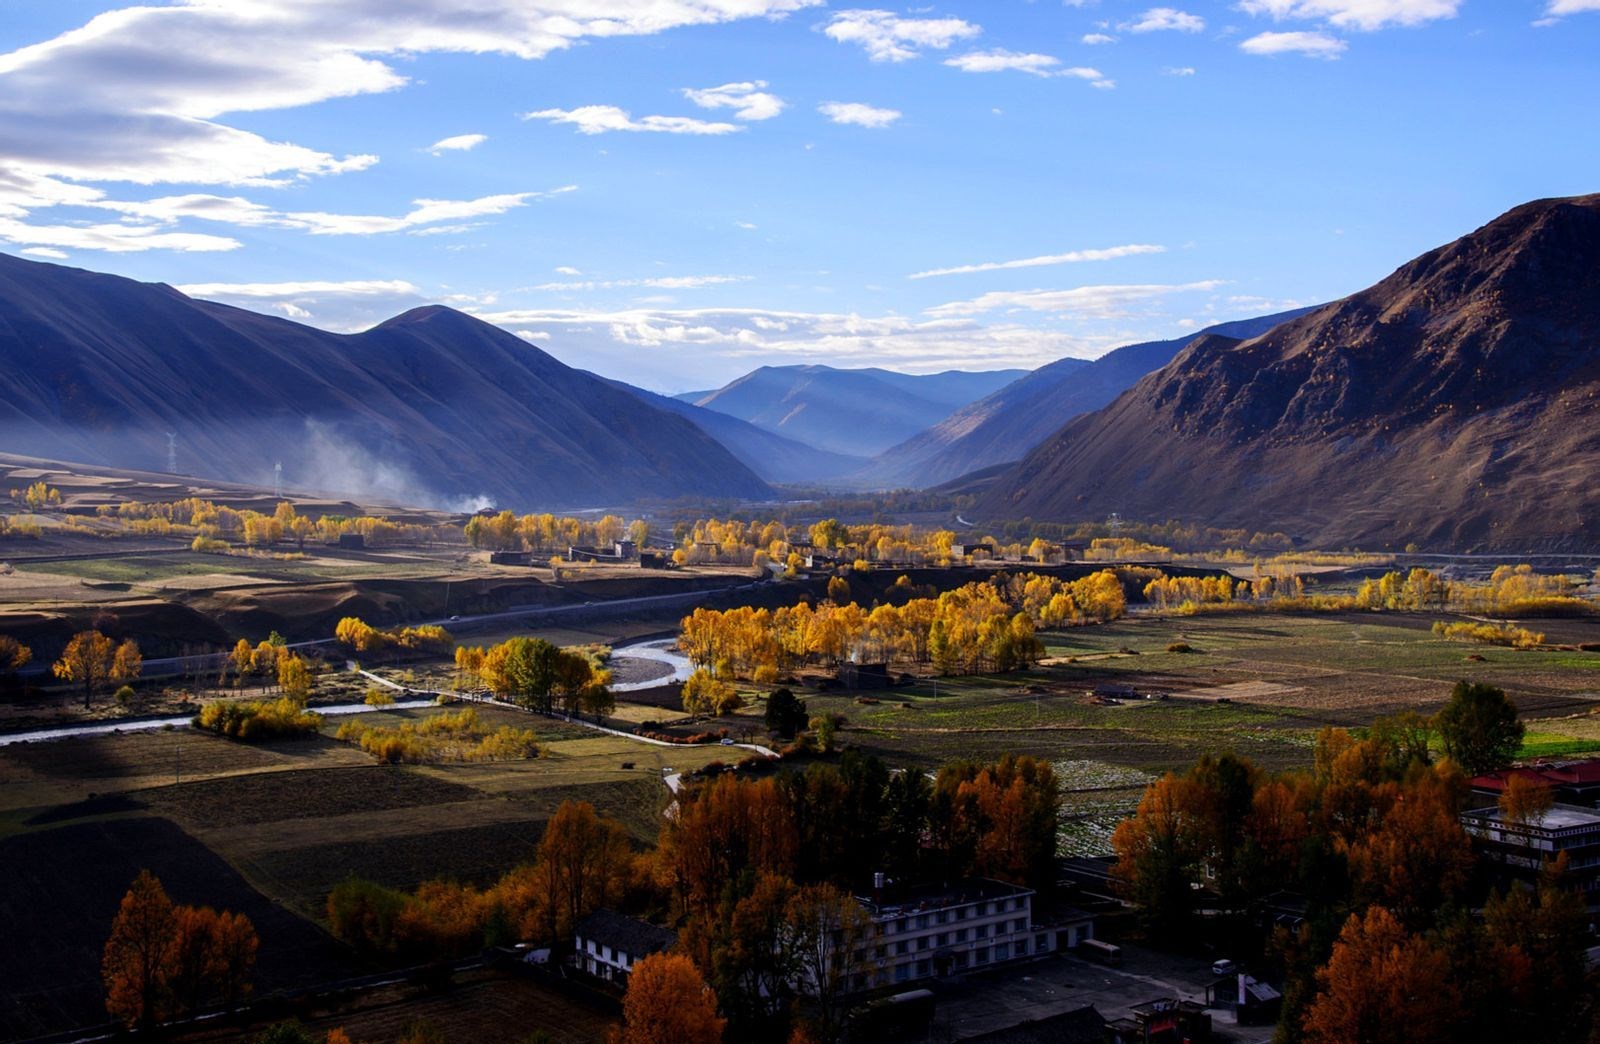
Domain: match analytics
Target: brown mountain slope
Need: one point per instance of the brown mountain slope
(431, 407)
(1455, 404)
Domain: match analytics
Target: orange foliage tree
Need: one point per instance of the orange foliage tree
(1383, 986)
(669, 1003)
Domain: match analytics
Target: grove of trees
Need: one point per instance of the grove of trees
(1390, 949)
(163, 960)
(92, 660)
(988, 625)
(540, 676)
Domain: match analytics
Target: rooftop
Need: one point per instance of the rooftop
(1552, 773)
(898, 899)
(1559, 817)
(629, 934)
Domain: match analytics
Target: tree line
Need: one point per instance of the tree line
(543, 677)
(987, 625)
(1390, 949)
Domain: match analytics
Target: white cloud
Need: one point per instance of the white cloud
(135, 94)
(236, 210)
(886, 37)
(567, 270)
(1158, 19)
(1558, 8)
(858, 114)
(601, 119)
(1095, 39)
(1083, 302)
(1001, 60)
(1364, 14)
(748, 100)
(1178, 70)
(274, 291)
(112, 238)
(1071, 257)
(748, 226)
(1310, 44)
(50, 252)
(657, 283)
(733, 338)
(458, 143)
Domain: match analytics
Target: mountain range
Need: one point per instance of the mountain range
(851, 413)
(1004, 425)
(430, 407)
(1454, 404)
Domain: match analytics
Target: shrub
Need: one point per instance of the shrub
(1179, 647)
(377, 697)
(125, 696)
(508, 743)
(1490, 634)
(257, 721)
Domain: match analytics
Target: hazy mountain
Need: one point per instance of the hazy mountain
(1455, 404)
(851, 412)
(1005, 425)
(773, 457)
(432, 406)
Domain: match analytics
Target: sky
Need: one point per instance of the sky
(673, 192)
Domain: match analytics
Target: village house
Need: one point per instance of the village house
(607, 944)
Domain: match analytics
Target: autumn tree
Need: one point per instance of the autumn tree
(1383, 986)
(138, 958)
(13, 655)
(127, 662)
(1158, 854)
(827, 931)
(581, 855)
(1525, 799)
(668, 1002)
(1548, 928)
(87, 661)
(294, 677)
(1479, 728)
(704, 693)
(242, 658)
(725, 828)
(521, 670)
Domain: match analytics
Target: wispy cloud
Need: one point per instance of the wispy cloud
(1083, 302)
(887, 37)
(655, 283)
(352, 287)
(1046, 260)
(748, 100)
(602, 119)
(1162, 19)
(1178, 70)
(112, 238)
(859, 114)
(1098, 39)
(1366, 15)
(457, 143)
(237, 210)
(136, 94)
(1305, 42)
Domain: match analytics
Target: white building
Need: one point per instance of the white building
(929, 932)
(607, 944)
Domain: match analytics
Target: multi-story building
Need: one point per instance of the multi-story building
(1519, 850)
(933, 932)
(607, 944)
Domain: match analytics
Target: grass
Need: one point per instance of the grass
(1554, 744)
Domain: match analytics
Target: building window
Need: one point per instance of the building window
(902, 946)
(942, 939)
(1042, 942)
(1002, 951)
(980, 955)
(961, 935)
(924, 968)
(924, 942)
(902, 972)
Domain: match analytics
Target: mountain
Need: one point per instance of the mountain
(1455, 404)
(432, 406)
(1005, 425)
(773, 457)
(850, 412)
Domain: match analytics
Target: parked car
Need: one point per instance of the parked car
(1223, 967)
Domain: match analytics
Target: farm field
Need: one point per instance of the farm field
(269, 829)
(1260, 685)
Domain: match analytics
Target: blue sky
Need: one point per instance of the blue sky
(675, 191)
